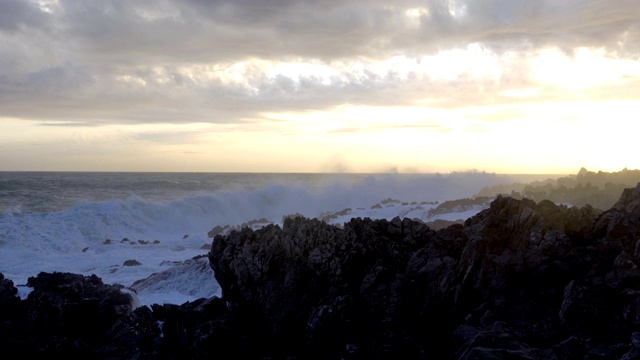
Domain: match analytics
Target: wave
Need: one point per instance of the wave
(106, 237)
(91, 222)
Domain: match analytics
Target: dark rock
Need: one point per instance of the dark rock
(293, 277)
(9, 299)
(65, 315)
(131, 262)
(530, 280)
(8, 293)
(520, 280)
(217, 230)
(440, 224)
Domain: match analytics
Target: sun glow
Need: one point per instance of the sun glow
(584, 69)
(530, 139)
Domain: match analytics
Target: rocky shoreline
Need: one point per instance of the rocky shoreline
(520, 280)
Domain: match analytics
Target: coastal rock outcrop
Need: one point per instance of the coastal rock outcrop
(308, 281)
(520, 280)
(533, 280)
(69, 316)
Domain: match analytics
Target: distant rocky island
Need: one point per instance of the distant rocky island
(598, 189)
(544, 274)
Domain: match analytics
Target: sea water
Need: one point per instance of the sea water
(128, 227)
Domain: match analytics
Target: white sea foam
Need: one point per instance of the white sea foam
(162, 231)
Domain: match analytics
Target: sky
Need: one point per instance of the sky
(505, 86)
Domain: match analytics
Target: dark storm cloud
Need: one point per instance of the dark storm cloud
(227, 30)
(131, 61)
(223, 30)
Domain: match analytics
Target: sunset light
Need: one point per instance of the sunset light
(329, 179)
(426, 86)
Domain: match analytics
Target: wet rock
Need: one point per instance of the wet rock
(131, 262)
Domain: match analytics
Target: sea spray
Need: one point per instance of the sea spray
(92, 223)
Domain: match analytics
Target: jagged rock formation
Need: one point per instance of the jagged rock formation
(524, 279)
(66, 315)
(305, 283)
(520, 280)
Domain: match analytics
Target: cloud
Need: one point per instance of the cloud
(426, 126)
(170, 136)
(217, 31)
(173, 61)
(16, 15)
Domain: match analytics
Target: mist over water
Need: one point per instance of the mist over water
(78, 222)
(62, 211)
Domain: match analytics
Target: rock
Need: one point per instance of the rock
(544, 272)
(521, 280)
(440, 224)
(65, 315)
(131, 262)
(8, 292)
(292, 277)
(9, 299)
(217, 230)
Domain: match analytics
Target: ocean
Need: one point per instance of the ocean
(149, 231)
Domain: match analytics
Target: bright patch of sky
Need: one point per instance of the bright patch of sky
(583, 69)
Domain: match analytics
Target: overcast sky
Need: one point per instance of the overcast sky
(508, 86)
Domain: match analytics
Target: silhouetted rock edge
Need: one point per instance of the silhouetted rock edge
(520, 280)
